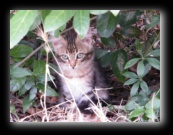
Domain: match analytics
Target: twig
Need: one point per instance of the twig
(32, 53)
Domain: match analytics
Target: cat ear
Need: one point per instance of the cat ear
(88, 38)
(56, 41)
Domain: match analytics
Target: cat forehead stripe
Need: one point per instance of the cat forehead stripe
(70, 38)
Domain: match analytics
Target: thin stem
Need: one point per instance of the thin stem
(25, 59)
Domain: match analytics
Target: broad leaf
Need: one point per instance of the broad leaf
(131, 62)
(54, 19)
(49, 90)
(22, 91)
(105, 60)
(26, 103)
(106, 24)
(144, 87)
(115, 12)
(57, 31)
(154, 103)
(130, 31)
(130, 104)
(154, 20)
(150, 113)
(138, 46)
(16, 84)
(39, 67)
(36, 22)
(147, 68)
(134, 89)
(141, 68)
(137, 112)
(154, 53)
(41, 78)
(100, 53)
(20, 72)
(98, 12)
(20, 51)
(154, 62)
(130, 81)
(103, 56)
(141, 98)
(129, 18)
(118, 60)
(29, 84)
(32, 93)
(81, 22)
(20, 24)
(130, 75)
(108, 41)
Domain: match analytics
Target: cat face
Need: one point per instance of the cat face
(73, 52)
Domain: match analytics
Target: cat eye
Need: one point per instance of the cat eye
(64, 57)
(80, 55)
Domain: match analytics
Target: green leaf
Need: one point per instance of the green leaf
(100, 53)
(130, 75)
(142, 98)
(115, 12)
(155, 19)
(118, 60)
(57, 31)
(134, 89)
(130, 31)
(141, 68)
(81, 22)
(138, 46)
(49, 90)
(105, 60)
(106, 24)
(30, 62)
(41, 78)
(98, 12)
(147, 68)
(44, 14)
(144, 87)
(26, 103)
(131, 62)
(153, 104)
(150, 113)
(39, 67)
(32, 93)
(20, 72)
(22, 91)
(29, 84)
(20, 24)
(137, 112)
(130, 104)
(36, 22)
(54, 19)
(20, 51)
(129, 18)
(154, 53)
(130, 81)
(16, 83)
(154, 62)
(108, 41)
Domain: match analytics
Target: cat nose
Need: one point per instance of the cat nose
(73, 63)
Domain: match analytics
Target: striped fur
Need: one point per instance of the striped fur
(82, 74)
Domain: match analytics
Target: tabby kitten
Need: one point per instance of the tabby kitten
(77, 63)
